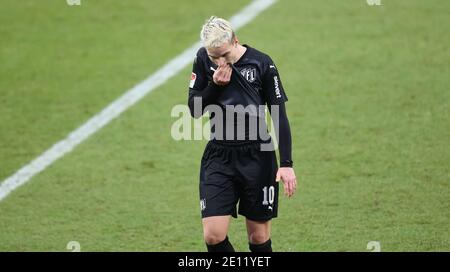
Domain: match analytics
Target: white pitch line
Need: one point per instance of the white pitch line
(128, 99)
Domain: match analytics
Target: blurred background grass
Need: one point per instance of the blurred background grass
(368, 106)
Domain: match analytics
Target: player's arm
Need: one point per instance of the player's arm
(284, 135)
(283, 131)
(207, 91)
(275, 96)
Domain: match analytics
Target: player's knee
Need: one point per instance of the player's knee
(212, 238)
(258, 237)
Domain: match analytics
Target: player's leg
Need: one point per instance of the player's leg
(259, 235)
(218, 197)
(258, 194)
(215, 229)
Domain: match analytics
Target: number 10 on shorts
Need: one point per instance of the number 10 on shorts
(268, 194)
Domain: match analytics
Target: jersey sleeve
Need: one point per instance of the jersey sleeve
(273, 90)
(275, 95)
(198, 80)
(201, 87)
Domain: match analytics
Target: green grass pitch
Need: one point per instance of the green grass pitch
(369, 104)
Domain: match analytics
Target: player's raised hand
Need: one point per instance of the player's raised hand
(222, 75)
(287, 175)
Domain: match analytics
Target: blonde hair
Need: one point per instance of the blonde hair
(215, 32)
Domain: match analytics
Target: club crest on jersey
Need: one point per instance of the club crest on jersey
(249, 74)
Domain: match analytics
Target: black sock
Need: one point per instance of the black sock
(224, 246)
(264, 247)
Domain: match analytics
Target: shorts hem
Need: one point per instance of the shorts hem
(219, 214)
(259, 218)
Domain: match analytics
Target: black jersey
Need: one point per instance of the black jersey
(257, 80)
(254, 82)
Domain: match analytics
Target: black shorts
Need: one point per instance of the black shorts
(232, 173)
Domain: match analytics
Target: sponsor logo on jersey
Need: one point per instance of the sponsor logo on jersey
(277, 87)
(193, 78)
